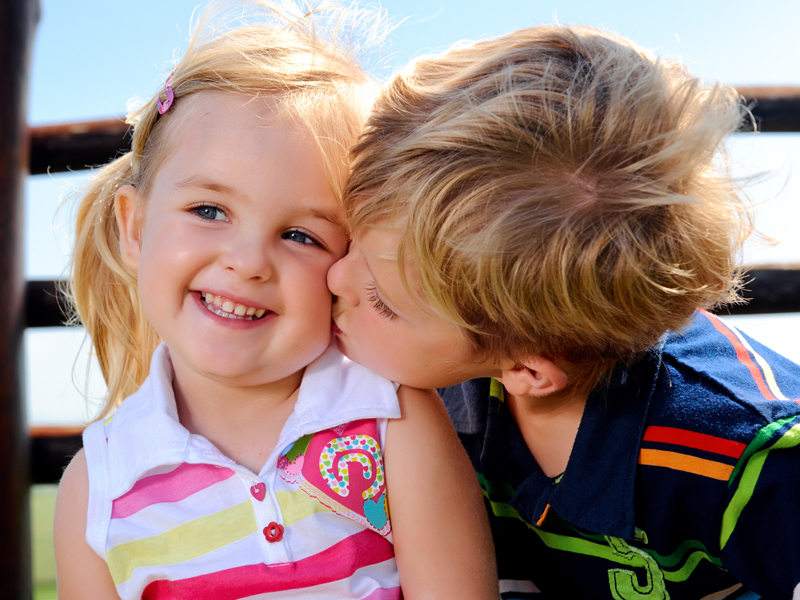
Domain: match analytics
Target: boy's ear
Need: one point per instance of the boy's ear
(126, 201)
(536, 376)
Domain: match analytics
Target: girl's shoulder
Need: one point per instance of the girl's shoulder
(335, 386)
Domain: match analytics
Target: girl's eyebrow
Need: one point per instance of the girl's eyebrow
(332, 217)
(206, 184)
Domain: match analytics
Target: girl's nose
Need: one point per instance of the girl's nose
(340, 279)
(250, 258)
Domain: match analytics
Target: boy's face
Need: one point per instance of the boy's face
(379, 324)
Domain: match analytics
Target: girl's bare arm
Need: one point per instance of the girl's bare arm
(442, 541)
(80, 572)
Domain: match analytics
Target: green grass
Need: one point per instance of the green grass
(44, 591)
(43, 504)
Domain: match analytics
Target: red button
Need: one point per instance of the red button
(273, 532)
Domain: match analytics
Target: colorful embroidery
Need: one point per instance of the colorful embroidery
(341, 452)
(342, 468)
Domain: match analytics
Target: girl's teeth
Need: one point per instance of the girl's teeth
(218, 303)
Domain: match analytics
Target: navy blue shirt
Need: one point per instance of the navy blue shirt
(684, 480)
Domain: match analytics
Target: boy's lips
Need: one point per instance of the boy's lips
(335, 328)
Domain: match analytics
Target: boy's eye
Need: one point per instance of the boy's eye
(295, 235)
(210, 212)
(378, 304)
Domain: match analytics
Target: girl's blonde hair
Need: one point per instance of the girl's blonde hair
(305, 58)
(564, 193)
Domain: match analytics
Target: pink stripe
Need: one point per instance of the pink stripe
(174, 486)
(386, 594)
(338, 562)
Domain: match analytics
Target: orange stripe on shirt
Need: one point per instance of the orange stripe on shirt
(683, 462)
(742, 354)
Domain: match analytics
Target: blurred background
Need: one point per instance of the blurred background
(91, 57)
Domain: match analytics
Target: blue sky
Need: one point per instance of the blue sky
(91, 57)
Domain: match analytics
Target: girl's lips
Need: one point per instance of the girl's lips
(335, 328)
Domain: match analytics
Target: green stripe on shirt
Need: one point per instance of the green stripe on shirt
(752, 470)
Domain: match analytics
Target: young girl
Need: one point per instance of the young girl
(248, 458)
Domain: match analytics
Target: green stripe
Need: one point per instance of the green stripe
(680, 553)
(688, 568)
(495, 488)
(602, 550)
(761, 439)
(496, 390)
(750, 475)
(182, 543)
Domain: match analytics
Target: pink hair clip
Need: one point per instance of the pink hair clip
(163, 106)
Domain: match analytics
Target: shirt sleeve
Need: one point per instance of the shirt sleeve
(760, 534)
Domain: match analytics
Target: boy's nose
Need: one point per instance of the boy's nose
(340, 280)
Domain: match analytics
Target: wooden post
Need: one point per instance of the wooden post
(18, 19)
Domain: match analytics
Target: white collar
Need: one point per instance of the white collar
(145, 432)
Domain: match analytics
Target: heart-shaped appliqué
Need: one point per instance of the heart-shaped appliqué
(375, 511)
(259, 491)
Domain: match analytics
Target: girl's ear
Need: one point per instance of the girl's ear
(126, 201)
(534, 377)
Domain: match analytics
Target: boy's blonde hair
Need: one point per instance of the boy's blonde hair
(257, 48)
(564, 193)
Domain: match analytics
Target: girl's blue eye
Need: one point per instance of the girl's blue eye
(295, 235)
(211, 213)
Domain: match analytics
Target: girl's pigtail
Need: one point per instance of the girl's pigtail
(103, 292)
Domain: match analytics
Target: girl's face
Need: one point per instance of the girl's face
(239, 230)
(380, 325)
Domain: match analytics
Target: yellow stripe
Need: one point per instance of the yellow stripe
(683, 462)
(296, 505)
(183, 542)
(769, 376)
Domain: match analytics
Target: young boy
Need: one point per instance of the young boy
(549, 211)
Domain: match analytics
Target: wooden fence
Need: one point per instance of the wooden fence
(38, 454)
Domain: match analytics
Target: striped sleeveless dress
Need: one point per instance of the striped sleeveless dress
(174, 518)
